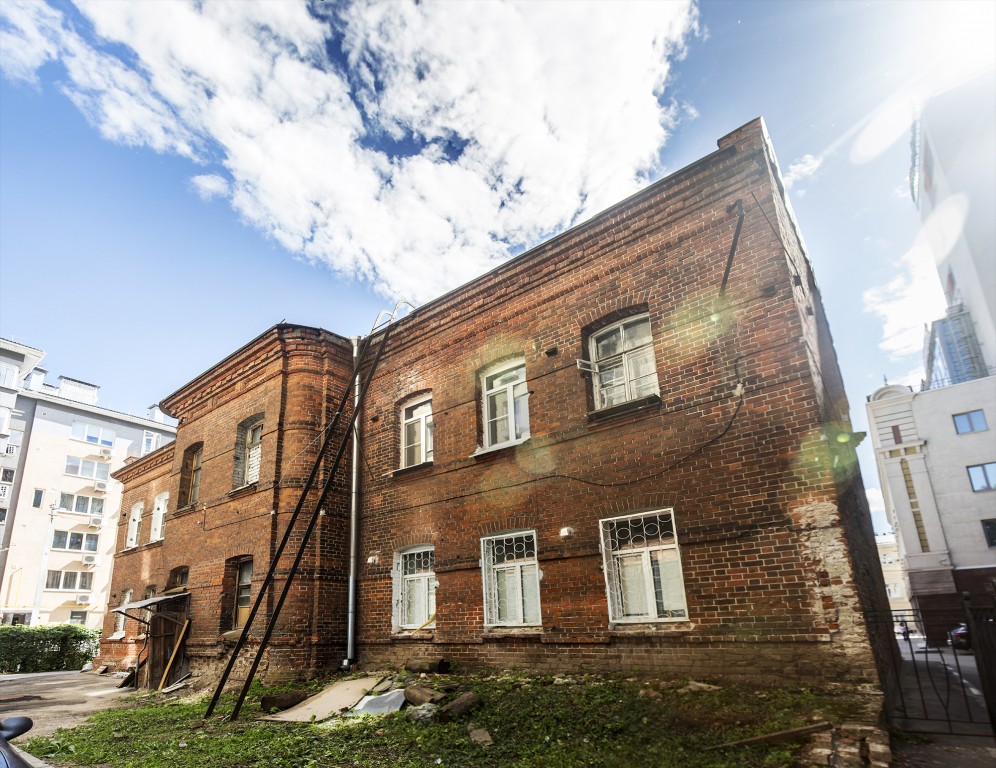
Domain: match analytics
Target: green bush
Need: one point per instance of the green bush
(47, 648)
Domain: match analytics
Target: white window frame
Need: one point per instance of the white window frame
(631, 386)
(650, 543)
(973, 421)
(254, 452)
(92, 537)
(4, 492)
(78, 617)
(89, 503)
(9, 375)
(94, 434)
(411, 578)
(134, 524)
(99, 470)
(423, 427)
(120, 618)
(515, 396)
(150, 441)
(5, 416)
(77, 585)
(157, 530)
(243, 592)
(518, 573)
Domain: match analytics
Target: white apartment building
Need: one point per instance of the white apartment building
(936, 456)
(894, 572)
(59, 505)
(936, 448)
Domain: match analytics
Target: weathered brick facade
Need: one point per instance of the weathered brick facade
(747, 441)
(287, 376)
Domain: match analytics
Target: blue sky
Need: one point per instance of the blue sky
(177, 177)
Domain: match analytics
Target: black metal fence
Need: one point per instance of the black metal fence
(942, 676)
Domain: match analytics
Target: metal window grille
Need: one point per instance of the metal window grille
(511, 580)
(643, 568)
(418, 589)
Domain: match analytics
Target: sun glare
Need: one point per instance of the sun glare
(956, 42)
(959, 43)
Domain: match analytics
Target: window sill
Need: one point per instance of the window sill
(650, 402)
(499, 447)
(678, 628)
(497, 633)
(414, 635)
(412, 468)
(117, 636)
(248, 488)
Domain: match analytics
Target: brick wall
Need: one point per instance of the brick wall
(769, 579)
(743, 443)
(293, 377)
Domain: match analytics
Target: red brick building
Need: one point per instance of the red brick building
(249, 432)
(626, 449)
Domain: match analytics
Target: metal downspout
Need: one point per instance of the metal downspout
(354, 522)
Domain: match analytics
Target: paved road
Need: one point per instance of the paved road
(57, 699)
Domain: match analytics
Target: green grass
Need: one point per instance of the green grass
(590, 721)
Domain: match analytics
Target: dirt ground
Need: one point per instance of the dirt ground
(64, 699)
(56, 699)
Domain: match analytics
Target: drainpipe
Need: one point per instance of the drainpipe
(354, 522)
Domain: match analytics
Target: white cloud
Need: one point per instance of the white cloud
(419, 160)
(801, 169)
(912, 378)
(210, 186)
(914, 298)
(876, 501)
(876, 505)
(28, 31)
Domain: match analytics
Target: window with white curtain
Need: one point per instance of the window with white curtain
(415, 588)
(511, 579)
(643, 568)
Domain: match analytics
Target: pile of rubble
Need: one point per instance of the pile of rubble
(424, 699)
